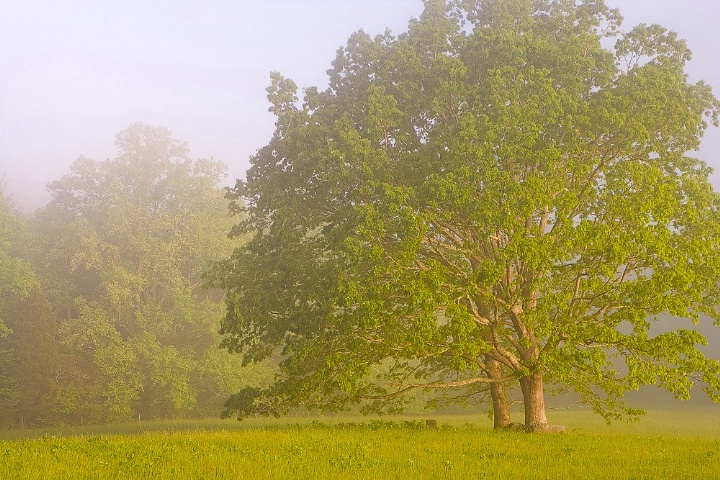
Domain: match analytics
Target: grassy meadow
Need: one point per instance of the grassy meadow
(674, 445)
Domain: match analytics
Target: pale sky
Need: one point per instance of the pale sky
(74, 73)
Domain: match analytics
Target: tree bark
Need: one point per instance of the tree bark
(501, 408)
(534, 401)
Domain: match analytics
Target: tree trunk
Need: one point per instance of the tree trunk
(534, 402)
(501, 409)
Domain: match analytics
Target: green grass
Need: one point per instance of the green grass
(674, 446)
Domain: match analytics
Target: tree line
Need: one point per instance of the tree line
(104, 314)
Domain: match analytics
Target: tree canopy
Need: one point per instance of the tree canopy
(495, 197)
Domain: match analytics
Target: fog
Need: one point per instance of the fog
(72, 74)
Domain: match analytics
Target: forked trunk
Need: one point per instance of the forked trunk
(534, 401)
(501, 409)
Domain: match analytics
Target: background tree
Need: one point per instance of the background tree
(17, 279)
(29, 369)
(16, 275)
(122, 247)
(493, 197)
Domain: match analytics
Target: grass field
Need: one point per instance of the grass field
(670, 445)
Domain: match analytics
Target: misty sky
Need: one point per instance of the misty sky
(74, 73)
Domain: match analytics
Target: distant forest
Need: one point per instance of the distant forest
(103, 313)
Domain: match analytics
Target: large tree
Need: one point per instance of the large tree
(494, 197)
